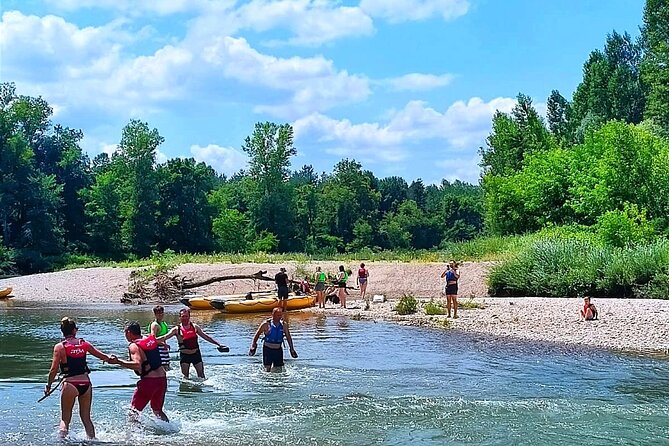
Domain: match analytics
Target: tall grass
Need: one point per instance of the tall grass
(570, 267)
(485, 248)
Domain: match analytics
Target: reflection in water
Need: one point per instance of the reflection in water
(355, 383)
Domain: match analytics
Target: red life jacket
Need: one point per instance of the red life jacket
(362, 273)
(149, 346)
(188, 337)
(76, 358)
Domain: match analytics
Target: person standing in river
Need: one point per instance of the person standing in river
(273, 330)
(69, 356)
(452, 275)
(160, 328)
(145, 361)
(189, 349)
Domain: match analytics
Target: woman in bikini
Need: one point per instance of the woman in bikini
(69, 357)
(452, 275)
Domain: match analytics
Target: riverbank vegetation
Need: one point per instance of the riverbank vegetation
(576, 202)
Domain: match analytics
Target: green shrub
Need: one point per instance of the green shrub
(573, 267)
(469, 304)
(407, 305)
(432, 308)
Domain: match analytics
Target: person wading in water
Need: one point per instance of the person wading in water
(273, 330)
(69, 356)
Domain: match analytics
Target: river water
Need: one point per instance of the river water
(354, 383)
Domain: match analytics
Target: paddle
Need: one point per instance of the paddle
(53, 389)
(223, 348)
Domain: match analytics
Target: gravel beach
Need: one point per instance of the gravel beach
(624, 324)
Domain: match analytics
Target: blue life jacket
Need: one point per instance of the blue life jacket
(275, 334)
(450, 276)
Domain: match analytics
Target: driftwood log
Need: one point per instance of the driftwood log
(165, 288)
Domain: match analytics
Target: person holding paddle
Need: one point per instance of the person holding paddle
(69, 356)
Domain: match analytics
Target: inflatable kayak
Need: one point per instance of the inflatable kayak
(197, 303)
(6, 292)
(265, 304)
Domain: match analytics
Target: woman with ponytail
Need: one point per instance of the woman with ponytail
(69, 357)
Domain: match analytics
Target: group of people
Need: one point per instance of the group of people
(149, 359)
(323, 286)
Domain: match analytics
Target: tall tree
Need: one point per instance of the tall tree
(270, 148)
(655, 65)
(136, 166)
(560, 121)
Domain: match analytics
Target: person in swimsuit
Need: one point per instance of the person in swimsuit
(589, 311)
(145, 361)
(363, 277)
(69, 356)
(342, 278)
(274, 330)
(319, 279)
(452, 275)
(189, 350)
(160, 328)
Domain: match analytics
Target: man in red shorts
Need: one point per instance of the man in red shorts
(145, 361)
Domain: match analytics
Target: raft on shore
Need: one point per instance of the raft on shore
(262, 304)
(5, 292)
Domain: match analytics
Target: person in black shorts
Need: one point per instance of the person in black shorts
(274, 331)
(281, 280)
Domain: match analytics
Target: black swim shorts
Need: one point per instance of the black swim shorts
(320, 286)
(452, 289)
(272, 356)
(190, 358)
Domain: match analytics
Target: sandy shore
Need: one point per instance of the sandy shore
(624, 324)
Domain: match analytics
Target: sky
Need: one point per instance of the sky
(405, 87)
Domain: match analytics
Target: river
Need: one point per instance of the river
(354, 383)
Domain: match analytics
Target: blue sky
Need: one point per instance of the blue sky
(405, 87)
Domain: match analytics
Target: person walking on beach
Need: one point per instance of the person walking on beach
(189, 349)
(160, 328)
(281, 280)
(145, 361)
(362, 279)
(342, 278)
(274, 331)
(69, 356)
(452, 275)
(319, 279)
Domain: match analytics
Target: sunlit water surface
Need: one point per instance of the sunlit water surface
(354, 383)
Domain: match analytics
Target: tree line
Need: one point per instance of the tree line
(55, 202)
(600, 161)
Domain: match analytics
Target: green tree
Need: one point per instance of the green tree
(560, 121)
(135, 165)
(185, 213)
(270, 148)
(655, 65)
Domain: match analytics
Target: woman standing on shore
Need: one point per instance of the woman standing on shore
(452, 276)
(342, 278)
(363, 275)
(69, 356)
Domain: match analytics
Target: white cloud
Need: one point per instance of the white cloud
(92, 69)
(225, 160)
(418, 81)
(457, 132)
(133, 7)
(396, 11)
(313, 83)
(312, 22)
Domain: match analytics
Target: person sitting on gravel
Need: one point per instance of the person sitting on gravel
(589, 311)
